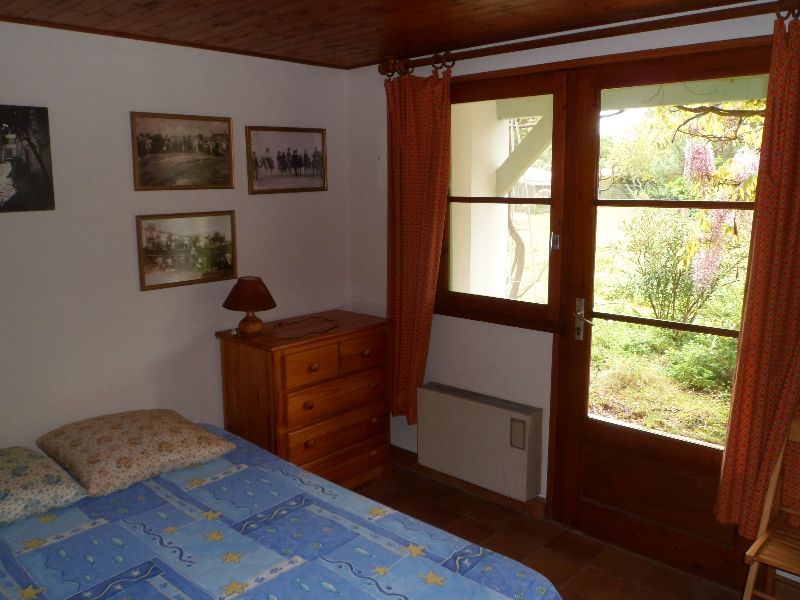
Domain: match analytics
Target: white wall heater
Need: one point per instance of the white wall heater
(492, 443)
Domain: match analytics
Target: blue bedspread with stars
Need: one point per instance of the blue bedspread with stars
(248, 526)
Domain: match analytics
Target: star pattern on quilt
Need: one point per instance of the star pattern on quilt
(377, 512)
(232, 557)
(234, 587)
(214, 536)
(170, 530)
(432, 578)
(34, 543)
(415, 551)
(46, 518)
(381, 570)
(195, 483)
(211, 515)
(30, 592)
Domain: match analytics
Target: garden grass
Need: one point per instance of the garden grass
(634, 389)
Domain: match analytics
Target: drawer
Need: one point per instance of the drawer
(322, 401)
(310, 366)
(327, 437)
(363, 352)
(355, 464)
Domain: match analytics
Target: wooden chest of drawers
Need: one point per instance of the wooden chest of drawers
(312, 390)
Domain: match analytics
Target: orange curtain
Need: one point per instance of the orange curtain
(767, 383)
(418, 111)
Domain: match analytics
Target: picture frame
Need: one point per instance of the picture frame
(181, 152)
(26, 168)
(186, 248)
(270, 172)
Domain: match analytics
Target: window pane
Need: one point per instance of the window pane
(500, 250)
(696, 140)
(660, 379)
(502, 148)
(674, 264)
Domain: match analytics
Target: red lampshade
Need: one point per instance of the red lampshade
(249, 295)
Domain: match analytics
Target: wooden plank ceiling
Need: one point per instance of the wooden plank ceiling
(343, 34)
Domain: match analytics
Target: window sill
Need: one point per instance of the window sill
(534, 323)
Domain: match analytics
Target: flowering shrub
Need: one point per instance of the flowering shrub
(698, 159)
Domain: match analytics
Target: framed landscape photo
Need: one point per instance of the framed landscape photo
(181, 152)
(286, 159)
(186, 248)
(26, 170)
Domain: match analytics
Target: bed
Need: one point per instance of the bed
(247, 525)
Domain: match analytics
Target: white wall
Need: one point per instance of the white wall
(77, 337)
(510, 363)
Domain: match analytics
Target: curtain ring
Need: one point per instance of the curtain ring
(393, 67)
(787, 9)
(437, 62)
(388, 67)
(447, 61)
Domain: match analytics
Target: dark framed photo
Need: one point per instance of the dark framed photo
(186, 248)
(181, 152)
(286, 159)
(26, 170)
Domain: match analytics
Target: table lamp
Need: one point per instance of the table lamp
(249, 295)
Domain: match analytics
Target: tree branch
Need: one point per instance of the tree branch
(723, 112)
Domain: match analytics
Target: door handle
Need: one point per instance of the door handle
(580, 318)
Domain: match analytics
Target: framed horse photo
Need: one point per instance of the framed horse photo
(286, 159)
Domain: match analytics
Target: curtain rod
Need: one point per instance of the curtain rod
(393, 66)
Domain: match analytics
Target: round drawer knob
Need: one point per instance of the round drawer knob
(373, 453)
(366, 352)
(373, 420)
(373, 386)
(309, 443)
(308, 405)
(313, 367)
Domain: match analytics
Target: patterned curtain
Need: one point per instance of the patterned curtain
(418, 112)
(767, 384)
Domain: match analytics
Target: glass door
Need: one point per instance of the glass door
(663, 199)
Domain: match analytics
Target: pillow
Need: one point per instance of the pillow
(32, 483)
(111, 452)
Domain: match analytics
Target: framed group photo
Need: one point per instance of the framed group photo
(181, 152)
(286, 159)
(186, 248)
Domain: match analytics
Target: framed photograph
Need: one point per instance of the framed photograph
(286, 159)
(186, 248)
(181, 152)
(26, 172)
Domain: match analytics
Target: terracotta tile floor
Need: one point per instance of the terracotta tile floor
(581, 567)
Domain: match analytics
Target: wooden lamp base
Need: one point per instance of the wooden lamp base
(251, 324)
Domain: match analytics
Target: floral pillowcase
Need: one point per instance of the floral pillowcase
(111, 452)
(32, 483)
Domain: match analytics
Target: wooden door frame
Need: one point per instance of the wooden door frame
(570, 382)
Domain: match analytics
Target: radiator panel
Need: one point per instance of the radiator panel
(476, 438)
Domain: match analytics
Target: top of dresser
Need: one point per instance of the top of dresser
(297, 330)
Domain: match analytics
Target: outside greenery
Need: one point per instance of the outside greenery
(686, 265)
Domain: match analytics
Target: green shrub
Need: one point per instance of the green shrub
(704, 362)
